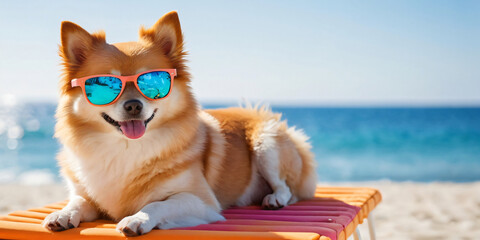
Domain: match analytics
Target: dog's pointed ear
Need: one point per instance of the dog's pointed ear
(166, 34)
(77, 43)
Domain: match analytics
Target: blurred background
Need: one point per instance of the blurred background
(388, 91)
(385, 89)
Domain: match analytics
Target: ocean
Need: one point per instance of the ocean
(350, 144)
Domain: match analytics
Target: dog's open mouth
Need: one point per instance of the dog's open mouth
(132, 129)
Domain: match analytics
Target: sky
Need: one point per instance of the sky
(282, 52)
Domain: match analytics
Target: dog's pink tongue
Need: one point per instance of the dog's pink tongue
(133, 129)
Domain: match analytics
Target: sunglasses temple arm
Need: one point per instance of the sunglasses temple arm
(74, 83)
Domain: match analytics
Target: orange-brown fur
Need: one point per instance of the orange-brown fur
(239, 126)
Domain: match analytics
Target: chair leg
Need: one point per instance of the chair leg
(351, 237)
(356, 235)
(371, 228)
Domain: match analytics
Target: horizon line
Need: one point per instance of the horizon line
(11, 100)
(339, 104)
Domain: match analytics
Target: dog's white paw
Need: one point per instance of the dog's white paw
(190, 221)
(135, 225)
(276, 200)
(62, 220)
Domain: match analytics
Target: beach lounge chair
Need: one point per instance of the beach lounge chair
(333, 214)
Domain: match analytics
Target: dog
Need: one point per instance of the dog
(163, 163)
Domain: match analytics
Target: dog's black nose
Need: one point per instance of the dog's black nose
(133, 107)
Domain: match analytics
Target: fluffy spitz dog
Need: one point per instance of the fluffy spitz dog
(138, 149)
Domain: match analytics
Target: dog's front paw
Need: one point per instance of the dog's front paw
(275, 201)
(62, 220)
(135, 225)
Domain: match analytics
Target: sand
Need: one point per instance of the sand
(408, 211)
(425, 210)
(15, 197)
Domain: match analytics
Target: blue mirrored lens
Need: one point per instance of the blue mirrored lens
(154, 85)
(102, 90)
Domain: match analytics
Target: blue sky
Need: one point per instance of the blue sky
(289, 52)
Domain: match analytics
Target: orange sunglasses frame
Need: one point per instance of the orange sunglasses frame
(80, 82)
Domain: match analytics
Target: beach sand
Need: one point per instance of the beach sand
(425, 210)
(408, 210)
(15, 197)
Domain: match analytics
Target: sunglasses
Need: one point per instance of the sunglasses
(106, 89)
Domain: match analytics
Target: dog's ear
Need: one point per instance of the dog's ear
(77, 43)
(165, 34)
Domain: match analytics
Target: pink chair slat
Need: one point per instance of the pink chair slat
(323, 231)
(292, 213)
(335, 226)
(329, 219)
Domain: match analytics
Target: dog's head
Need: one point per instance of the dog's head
(159, 47)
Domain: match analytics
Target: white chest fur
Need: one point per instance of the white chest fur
(104, 170)
(104, 165)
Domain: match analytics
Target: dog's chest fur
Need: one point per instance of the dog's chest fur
(106, 169)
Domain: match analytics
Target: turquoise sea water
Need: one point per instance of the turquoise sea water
(350, 144)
